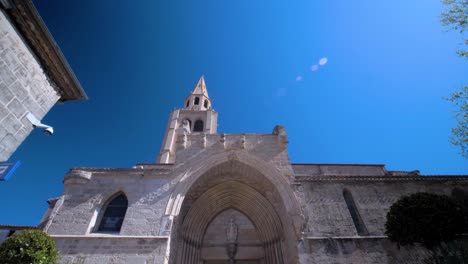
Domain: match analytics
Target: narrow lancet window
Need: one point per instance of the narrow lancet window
(188, 103)
(358, 223)
(114, 214)
(197, 100)
(198, 126)
(206, 103)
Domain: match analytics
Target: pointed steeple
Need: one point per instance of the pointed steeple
(198, 98)
(200, 88)
(197, 117)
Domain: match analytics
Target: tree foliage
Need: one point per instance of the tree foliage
(424, 218)
(29, 246)
(455, 17)
(460, 131)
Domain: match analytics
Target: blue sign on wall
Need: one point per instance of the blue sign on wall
(7, 169)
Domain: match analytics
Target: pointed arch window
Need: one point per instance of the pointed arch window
(205, 104)
(197, 100)
(187, 104)
(357, 220)
(114, 214)
(198, 126)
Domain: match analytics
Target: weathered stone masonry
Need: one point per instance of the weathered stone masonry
(34, 74)
(218, 198)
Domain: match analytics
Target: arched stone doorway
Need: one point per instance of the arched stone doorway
(242, 198)
(235, 188)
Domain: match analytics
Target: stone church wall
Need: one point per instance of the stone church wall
(82, 203)
(23, 87)
(327, 214)
(329, 234)
(360, 251)
(98, 250)
(72, 221)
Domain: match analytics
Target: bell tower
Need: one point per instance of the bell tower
(197, 117)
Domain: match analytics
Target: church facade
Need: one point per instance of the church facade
(215, 198)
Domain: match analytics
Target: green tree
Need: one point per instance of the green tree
(460, 131)
(454, 252)
(29, 246)
(424, 218)
(455, 17)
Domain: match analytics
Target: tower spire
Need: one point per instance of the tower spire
(197, 117)
(198, 98)
(200, 88)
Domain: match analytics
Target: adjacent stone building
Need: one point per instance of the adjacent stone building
(217, 198)
(34, 74)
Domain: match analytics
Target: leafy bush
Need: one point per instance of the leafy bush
(29, 246)
(425, 218)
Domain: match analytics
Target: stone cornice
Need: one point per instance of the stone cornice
(340, 178)
(159, 168)
(17, 227)
(77, 175)
(346, 237)
(33, 30)
(101, 236)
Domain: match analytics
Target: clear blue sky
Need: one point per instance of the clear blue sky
(379, 99)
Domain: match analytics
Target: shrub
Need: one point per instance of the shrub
(425, 218)
(29, 246)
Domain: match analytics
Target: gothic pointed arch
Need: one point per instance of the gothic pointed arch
(232, 194)
(112, 213)
(241, 181)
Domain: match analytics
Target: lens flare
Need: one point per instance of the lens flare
(323, 61)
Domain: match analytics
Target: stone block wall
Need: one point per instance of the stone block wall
(360, 250)
(329, 234)
(98, 250)
(83, 203)
(24, 87)
(327, 214)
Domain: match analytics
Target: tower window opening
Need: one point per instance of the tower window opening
(198, 126)
(114, 214)
(197, 101)
(205, 104)
(187, 104)
(353, 210)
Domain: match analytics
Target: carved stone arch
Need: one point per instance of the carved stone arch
(241, 197)
(193, 171)
(247, 170)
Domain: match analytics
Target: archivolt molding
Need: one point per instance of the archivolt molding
(192, 171)
(231, 194)
(235, 195)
